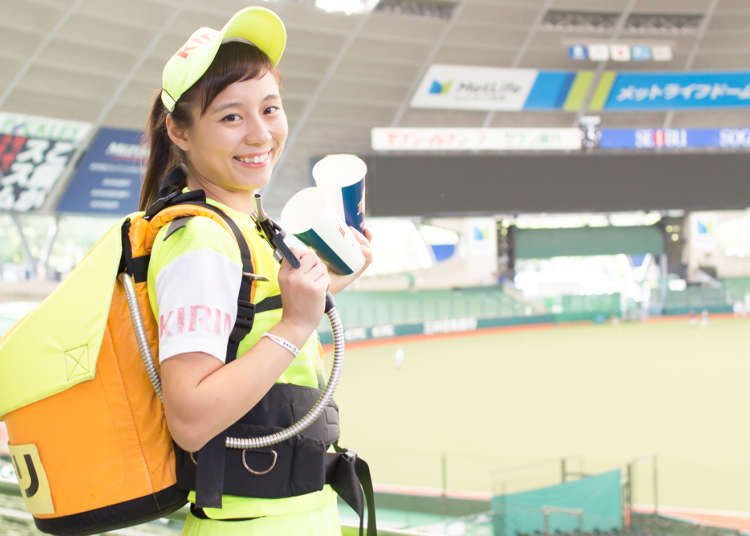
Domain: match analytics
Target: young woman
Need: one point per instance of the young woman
(220, 118)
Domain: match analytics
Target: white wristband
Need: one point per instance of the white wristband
(282, 342)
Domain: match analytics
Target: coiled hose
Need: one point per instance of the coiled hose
(337, 329)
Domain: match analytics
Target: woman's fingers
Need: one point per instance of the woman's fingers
(307, 259)
(364, 245)
(310, 266)
(362, 238)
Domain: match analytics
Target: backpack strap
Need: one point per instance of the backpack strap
(176, 209)
(245, 308)
(175, 206)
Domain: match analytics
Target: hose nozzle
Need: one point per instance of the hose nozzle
(274, 234)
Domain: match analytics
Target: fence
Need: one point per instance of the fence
(410, 309)
(373, 308)
(696, 299)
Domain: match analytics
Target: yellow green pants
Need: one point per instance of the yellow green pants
(322, 522)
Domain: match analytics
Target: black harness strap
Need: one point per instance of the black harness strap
(349, 476)
(210, 471)
(127, 252)
(268, 304)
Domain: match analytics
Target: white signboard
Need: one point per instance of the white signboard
(462, 87)
(475, 139)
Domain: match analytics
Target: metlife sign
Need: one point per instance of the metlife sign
(674, 138)
(108, 180)
(474, 88)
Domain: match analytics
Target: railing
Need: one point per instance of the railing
(371, 308)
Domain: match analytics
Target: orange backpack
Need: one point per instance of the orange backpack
(87, 432)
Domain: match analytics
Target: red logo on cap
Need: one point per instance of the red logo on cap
(194, 42)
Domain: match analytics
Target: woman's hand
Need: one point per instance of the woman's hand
(303, 292)
(340, 282)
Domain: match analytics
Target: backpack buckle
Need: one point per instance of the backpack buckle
(159, 204)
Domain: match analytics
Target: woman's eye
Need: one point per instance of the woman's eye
(231, 117)
(271, 109)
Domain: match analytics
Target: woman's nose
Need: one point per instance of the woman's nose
(257, 131)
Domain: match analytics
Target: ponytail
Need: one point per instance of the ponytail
(163, 154)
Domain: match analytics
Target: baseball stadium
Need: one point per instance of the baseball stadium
(533, 218)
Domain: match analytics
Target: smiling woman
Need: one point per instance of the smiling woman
(229, 122)
(236, 141)
(238, 349)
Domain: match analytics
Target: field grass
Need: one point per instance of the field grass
(504, 407)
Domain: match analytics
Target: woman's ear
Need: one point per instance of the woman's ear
(178, 134)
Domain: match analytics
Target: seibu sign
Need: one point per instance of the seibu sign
(475, 139)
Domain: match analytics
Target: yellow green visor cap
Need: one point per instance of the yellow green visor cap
(255, 25)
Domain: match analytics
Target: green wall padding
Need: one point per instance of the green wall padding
(584, 241)
(600, 497)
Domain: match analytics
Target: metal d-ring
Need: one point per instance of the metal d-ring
(264, 472)
(255, 277)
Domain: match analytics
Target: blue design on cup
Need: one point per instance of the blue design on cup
(353, 198)
(324, 251)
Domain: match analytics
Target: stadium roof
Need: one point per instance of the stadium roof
(101, 60)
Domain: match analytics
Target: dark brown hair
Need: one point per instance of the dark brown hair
(234, 62)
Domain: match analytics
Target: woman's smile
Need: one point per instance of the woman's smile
(256, 160)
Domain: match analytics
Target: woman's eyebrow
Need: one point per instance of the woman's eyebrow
(226, 105)
(220, 107)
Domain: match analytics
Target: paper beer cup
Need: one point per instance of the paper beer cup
(342, 179)
(309, 217)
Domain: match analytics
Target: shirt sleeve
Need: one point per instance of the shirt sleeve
(196, 290)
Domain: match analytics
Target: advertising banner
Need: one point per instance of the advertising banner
(674, 138)
(664, 91)
(475, 139)
(461, 87)
(474, 88)
(33, 154)
(108, 180)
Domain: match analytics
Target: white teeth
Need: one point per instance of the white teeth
(254, 160)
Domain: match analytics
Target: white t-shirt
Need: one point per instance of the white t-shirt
(196, 273)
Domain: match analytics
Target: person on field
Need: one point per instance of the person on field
(219, 126)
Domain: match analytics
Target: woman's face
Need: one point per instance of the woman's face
(233, 147)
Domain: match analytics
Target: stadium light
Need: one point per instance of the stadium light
(346, 6)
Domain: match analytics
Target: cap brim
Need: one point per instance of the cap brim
(257, 25)
(260, 26)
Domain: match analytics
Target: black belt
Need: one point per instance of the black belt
(200, 513)
(349, 476)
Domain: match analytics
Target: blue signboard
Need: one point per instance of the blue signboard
(108, 180)
(550, 90)
(660, 91)
(674, 138)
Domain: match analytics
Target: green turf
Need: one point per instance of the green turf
(599, 394)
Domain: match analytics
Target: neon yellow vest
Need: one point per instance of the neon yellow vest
(305, 370)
